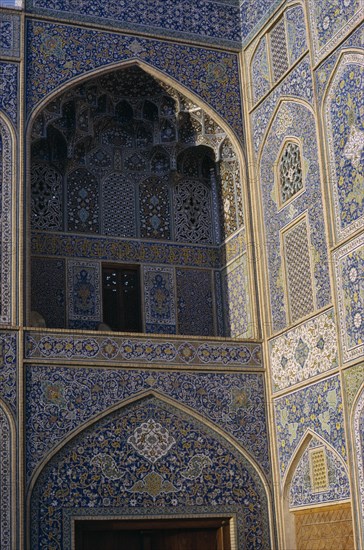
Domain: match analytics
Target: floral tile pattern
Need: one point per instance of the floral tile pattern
(305, 351)
(195, 302)
(349, 268)
(9, 90)
(331, 21)
(238, 319)
(353, 380)
(83, 291)
(358, 431)
(211, 75)
(8, 369)
(9, 34)
(301, 492)
(317, 407)
(102, 470)
(6, 208)
(344, 118)
(215, 21)
(60, 399)
(159, 298)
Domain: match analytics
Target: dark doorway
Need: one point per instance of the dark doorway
(191, 534)
(121, 298)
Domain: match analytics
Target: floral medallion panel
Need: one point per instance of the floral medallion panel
(9, 90)
(349, 269)
(61, 399)
(83, 293)
(212, 21)
(6, 207)
(305, 351)
(6, 483)
(320, 477)
(331, 21)
(83, 209)
(49, 287)
(317, 408)
(238, 318)
(358, 431)
(9, 34)
(211, 75)
(150, 457)
(345, 139)
(297, 121)
(195, 302)
(155, 208)
(159, 299)
(8, 369)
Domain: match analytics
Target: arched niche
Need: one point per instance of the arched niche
(7, 186)
(111, 160)
(317, 480)
(148, 458)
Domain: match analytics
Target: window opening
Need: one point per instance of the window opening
(121, 298)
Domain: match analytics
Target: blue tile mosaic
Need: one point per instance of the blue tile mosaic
(6, 483)
(148, 456)
(9, 34)
(8, 369)
(61, 399)
(211, 75)
(302, 492)
(6, 213)
(317, 408)
(9, 90)
(214, 21)
(254, 13)
(159, 299)
(297, 121)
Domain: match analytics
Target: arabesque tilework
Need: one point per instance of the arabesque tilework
(302, 493)
(8, 369)
(9, 34)
(60, 399)
(349, 268)
(318, 408)
(159, 299)
(353, 380)
(195, 302)
(344, 118)
(297, 121)
(6, 483)
(211, 75)
(358, 432)
(331, 21)
(83, 289)
(305, 351)
(9, 90)
(215, 21)
(182, 465)
(238, 316)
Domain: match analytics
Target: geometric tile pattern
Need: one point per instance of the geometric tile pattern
(9, 90)
(290, 171)
(8, 369)
(192, 207)
(325, 528)
(6, 482)
(9, 34)
(317, 407)
(6, 207)
(159, 299)
(194, 302)
(298, 271)
(114, 187)
(260, 71)
(83, 291)
(164, 351)
(82, 202)
(47, 197)
(294, 120)
(301, 492)
(61, 399)
(213, 21)
(101, 470)
(210, 74)
(331, 21)
(48, 290)
(344, 119)
(154, 209)
(349, 269)
(305, 351)
(358, 433)
(238, 320)
(278, 48)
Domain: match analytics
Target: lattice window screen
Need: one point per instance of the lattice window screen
(298, 271)
(290, 171)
